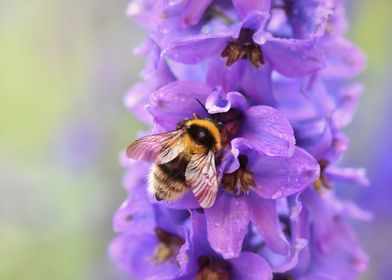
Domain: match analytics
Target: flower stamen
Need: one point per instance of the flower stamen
(210, 270)
(244, 48)
(322, 183)
(168, 247)
(240, 180)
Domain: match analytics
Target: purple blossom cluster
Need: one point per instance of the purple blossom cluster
(280, 74)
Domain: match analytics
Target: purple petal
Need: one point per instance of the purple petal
(345, 60)
(137, 99)
(136, 176)
(269, 131)
(278, 177)
(219, 75)
(225, 235)
(170, 220)
(249, 266)
(293, 58)
(294, 258)
(177, 101)
(135, 216)
(218, 102)
(303, 104)
(316, 277)
(194, 11)
(244, 7)
(256, 83)
(350, 176)
(264, 216)
(346, 104)
(135, 255)
(188, 201)
(229, 163)
(198, 235)
(195, 49)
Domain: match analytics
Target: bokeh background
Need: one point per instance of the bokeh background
(64, 68)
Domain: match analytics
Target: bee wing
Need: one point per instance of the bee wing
(172, 148)
(161, 147)
(200, 175)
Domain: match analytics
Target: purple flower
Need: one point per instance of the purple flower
(204, 263)
(273, 78)
(150, 236)
(248, 40)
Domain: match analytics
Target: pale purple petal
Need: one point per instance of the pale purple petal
(293, 259)
(218, 102)
(269, 131)
(188, 201)
(256, 83)
(348, 175)
(195, 49)
(219, 75)
(135, 216)
(244, 7)
(135, 255)
(345, 60)
(177, 101)
(249, 266)
(227, 224)
(293, 58)
(346, 104)
(194, 11)
(317, 277)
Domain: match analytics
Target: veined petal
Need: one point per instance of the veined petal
(278, 177)
(227, 224)
(293, 58)
(269, 131)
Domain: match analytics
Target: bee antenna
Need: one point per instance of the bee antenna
(202, 105)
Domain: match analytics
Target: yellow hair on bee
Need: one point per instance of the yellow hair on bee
(192, 147)
(210, 126)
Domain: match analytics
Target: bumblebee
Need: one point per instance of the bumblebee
(183, 159)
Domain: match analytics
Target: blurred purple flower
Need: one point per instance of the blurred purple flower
(277, 74)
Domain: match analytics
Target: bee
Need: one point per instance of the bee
(183, 159)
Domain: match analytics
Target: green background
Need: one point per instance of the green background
(64, 69)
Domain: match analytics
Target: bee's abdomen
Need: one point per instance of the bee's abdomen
(168, 180)
(175, 169)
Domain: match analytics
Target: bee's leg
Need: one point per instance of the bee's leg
(157, 197)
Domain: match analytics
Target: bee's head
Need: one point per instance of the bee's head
(212, 117)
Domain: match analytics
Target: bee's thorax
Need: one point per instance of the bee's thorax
(204, 133)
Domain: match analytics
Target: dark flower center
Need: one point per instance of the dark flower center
(240, 180)
(244, 48)
(212, 270)
(322, 183)
(168, 247)
(280, 276)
